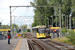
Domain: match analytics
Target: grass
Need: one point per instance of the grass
(63, 39)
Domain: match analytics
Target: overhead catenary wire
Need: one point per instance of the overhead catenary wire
(38, 6)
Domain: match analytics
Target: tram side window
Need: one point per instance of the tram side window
(41, 30)
(36, 30)
(33, 30)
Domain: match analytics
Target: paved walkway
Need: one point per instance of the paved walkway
(16, 44)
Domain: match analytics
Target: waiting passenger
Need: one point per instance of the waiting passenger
(50, 35)
(24, 35)
(9, 36)
(58, 34)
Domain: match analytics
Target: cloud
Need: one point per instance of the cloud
(5, 11)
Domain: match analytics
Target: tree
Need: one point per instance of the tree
(0, 23)
(28, 30)
(41, 13)
(24, 27)
(15, 26)
(5, 27)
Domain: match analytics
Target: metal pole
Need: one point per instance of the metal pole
(37, 6)
(60, 19)
(52, 21)
(56, 21)
(45, 20)
(48, 22)
(10, 21)
(73, 22)
(65, 21)
(69, 22)
(14, 24)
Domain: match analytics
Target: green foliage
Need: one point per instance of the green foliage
(5, 27)
(0, 23)
(66, 7)
(28, 30)
(41, 13)
(24, 27)
(64, 30)
(15, 26)
(71, 36)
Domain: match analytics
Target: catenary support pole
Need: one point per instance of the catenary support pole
(69, 21)
(10, 21)
(60, 19)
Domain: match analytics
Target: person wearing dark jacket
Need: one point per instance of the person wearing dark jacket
(9, 36)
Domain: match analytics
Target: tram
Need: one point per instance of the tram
(39, 31)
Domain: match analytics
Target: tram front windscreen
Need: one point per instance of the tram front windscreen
(41, 30)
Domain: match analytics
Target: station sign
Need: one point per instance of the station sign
(19, 34)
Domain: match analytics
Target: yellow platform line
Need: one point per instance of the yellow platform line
(18, 45)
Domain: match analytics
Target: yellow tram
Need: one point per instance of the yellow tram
(39, 31)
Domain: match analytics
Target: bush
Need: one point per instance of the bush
(71, 36)
(28, 30)
(64, 30)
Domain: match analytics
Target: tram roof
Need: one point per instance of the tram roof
(39, 26)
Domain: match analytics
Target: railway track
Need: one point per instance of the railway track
(33, 45)
(43, 45)
(58, 45)
(30, 45)
(48, 44)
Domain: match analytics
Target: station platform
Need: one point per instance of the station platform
(16, 44)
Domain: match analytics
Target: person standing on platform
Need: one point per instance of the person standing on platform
(50, 35)
(58, 34)
(9, 36)
(24, 35)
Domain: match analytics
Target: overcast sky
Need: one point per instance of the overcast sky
(5, 11)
